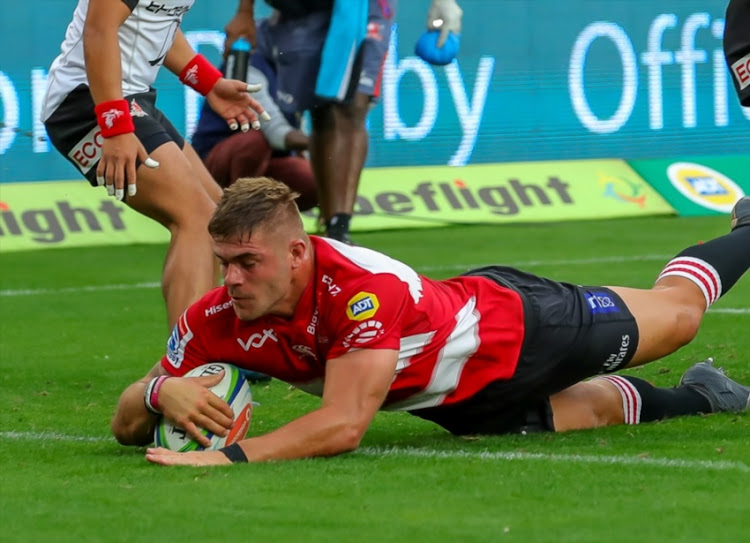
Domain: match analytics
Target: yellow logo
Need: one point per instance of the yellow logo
(362, 306)
(704, 186)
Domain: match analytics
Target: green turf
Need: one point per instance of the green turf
(65, 355)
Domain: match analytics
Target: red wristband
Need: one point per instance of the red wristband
(113, 117)
(200, 74)
(154, 399)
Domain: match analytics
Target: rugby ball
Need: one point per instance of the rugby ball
(234, 390)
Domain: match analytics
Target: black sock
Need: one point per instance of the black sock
(715, 266)
(338, 224)
(643, 402)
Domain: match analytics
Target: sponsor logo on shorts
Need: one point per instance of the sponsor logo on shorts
(616, 359)
(363, 333)
(362, 306)
(704, 186)
(741, 71)
(87, 152)
(601, 302)
(257, 340)
(181, 335)
(136, 110)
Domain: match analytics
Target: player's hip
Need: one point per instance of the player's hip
(73, 130)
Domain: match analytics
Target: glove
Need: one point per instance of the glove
(445, 16)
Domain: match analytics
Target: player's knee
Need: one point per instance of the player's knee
(352, 114)
(686, 320)
(194, 215)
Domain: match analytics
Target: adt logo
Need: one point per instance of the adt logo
(704, 186)
(601, 302)
(362, 306)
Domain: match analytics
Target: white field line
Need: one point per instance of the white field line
(714, 465)
(75, 290)
(563, 458)
(447, 267)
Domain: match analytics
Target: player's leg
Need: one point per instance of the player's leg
(338, 149)
(174, 196)
(736, 44)
(620, 399)
(669, 314)
(339, 142)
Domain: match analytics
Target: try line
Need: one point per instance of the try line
(485, 455)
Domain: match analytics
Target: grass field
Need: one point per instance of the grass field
(77, 326)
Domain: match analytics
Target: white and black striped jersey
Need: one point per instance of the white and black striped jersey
(145, 38)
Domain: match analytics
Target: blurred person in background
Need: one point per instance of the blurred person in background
(99, 112)
(329, 59)
(275, 151)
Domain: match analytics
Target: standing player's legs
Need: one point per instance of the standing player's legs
(339, 140)
(176, 196)
(338, 149)
(180, 194)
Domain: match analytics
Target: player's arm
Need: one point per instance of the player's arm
(241, 25)
(133, 424)
(101, 48)
(278, 132)
(120, 148)
(187, 401)
(227, 97)
(356, 385)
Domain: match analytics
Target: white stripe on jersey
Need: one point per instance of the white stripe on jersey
(375, 262)
(461, 345)
(411, 346)
(145, 38)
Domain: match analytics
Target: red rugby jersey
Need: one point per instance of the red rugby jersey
(453, 336)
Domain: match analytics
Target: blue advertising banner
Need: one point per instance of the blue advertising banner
(534, 80)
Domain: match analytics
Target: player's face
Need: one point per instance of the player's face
(258, 275)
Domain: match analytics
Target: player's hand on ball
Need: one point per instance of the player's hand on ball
(445, 16)
(165, 457)
(230, 98)
(191, 405)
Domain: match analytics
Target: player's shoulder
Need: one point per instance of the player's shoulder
(214, 302)
(355, 271)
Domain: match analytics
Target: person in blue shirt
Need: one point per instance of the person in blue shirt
(329, 57)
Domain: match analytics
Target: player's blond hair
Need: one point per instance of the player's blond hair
(253, 203)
